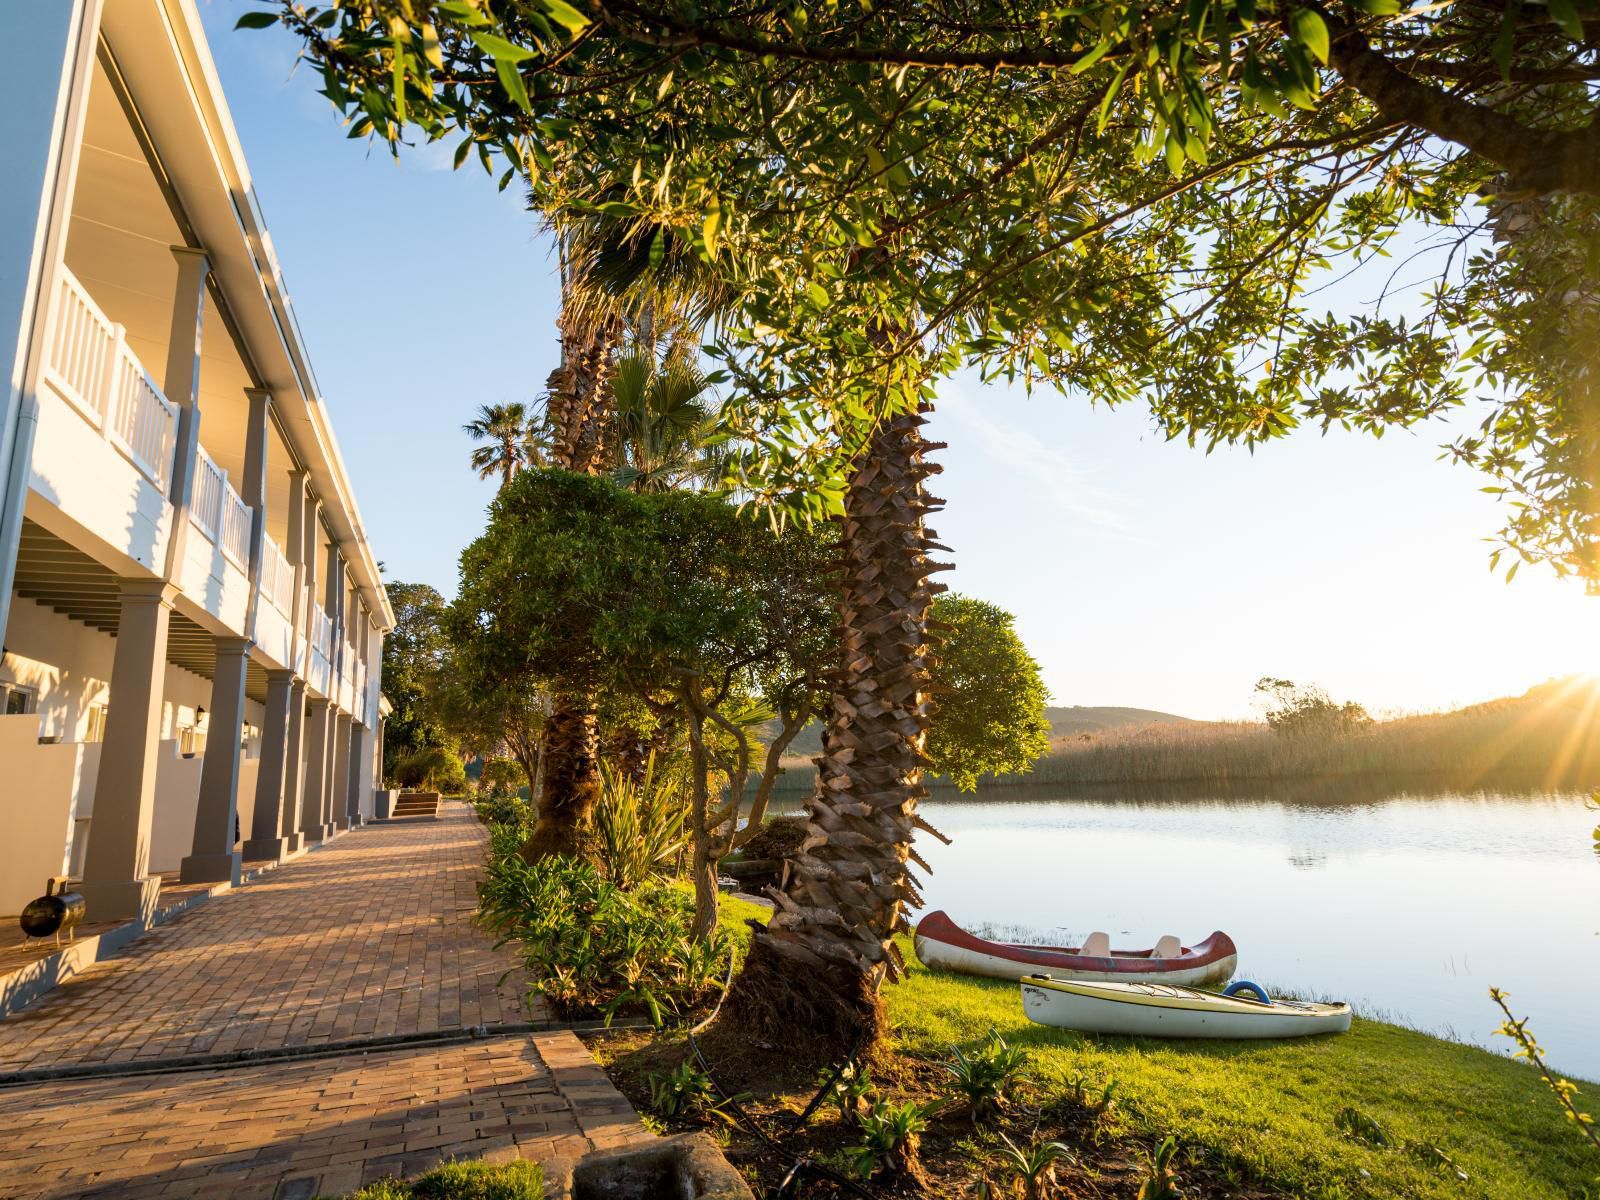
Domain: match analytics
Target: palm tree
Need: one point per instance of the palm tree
(607, 282)
(663, 423)
(813, 972)
(505, 428)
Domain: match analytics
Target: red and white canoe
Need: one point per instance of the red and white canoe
(943, 943)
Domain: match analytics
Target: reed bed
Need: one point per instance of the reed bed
(1549, 739)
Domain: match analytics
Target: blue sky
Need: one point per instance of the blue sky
(1142, 572)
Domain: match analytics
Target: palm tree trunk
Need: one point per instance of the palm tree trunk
(571, 780)
(814, 971)
(580, 412)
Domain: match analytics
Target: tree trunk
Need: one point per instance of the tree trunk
(580, 413)
(571, 779)
(704, 873)
(708, 849)
(814, 971)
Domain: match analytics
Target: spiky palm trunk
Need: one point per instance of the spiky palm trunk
(571, 779)
(579, 411)
(814, 971)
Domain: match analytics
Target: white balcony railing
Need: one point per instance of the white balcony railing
(219, 513)
(322, 634)
(89, 363)
(277, 577)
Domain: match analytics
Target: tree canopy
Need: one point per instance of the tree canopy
(1120, 199)
(991, 699)
(412, 652)
(583, 584)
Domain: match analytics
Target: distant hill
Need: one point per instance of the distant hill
(1068, 722)
(1549, 737)
(1064, 722)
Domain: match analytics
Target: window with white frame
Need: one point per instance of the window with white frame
(95, 730)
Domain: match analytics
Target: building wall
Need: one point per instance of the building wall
(68, 665)
(37, 794)
(178, 797)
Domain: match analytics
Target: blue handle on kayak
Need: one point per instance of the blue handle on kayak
(1248, 990)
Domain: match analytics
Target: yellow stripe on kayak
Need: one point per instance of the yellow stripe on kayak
(1166, 995)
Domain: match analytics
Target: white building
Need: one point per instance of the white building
(192, 615)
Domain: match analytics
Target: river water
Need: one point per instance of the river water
(1408, 904)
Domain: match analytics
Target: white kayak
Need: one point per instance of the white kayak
(1166, 1010)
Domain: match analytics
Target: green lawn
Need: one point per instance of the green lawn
(463, 1181)
(1268, 1108)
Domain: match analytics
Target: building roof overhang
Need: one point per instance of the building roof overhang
(160, 49)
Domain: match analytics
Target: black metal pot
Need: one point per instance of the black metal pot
(54, 912)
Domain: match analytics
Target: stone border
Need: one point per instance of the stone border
(267, 1055)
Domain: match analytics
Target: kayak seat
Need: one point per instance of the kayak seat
(1097, 945)
(1167, 947)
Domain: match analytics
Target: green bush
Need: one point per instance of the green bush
(591, 948)
(502, 776)
(434, 768)
(463, 1181)
(510, 810)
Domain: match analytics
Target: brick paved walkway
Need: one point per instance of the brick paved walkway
(366, 937)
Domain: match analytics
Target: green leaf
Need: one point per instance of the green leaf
(499, 49)
(256, 20)
(1175, 155)
(1378, 8)
(1505, 40)
(565, 15)
(712, 226)
(1101, 49)
(398, 70)
(467, 14)
(658, 247)
(1311, 31)
(511, 80)
(1111, 96)
(1565, 14)
(818, 294)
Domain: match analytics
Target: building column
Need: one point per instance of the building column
(339, 786)
(313, 804)
(266, 839)
(295, 551)
(213, 859)
(358, 757)
(115, 883)
(254, 493)
(294, 770)
(181, 384)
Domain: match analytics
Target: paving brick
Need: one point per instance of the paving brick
(372, 933)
